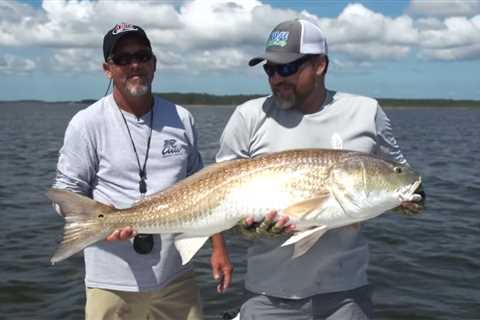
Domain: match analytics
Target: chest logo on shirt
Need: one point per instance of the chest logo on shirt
(170, 148)
(337, 141)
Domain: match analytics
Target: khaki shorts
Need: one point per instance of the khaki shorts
(178, 301)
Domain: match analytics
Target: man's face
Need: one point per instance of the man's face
(131, 75)
(291, 91)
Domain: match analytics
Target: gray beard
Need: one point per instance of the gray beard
(284, 104)
(138, 90)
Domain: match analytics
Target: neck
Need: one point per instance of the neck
(314, 102)
(135, 105)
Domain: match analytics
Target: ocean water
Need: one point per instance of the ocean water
(423, 267)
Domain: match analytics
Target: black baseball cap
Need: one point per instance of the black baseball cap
(292, 40)
(119, 31)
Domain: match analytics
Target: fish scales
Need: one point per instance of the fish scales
(194, 199)
(314, 187)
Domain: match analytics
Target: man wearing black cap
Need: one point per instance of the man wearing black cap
(127, 145)
(330, 280)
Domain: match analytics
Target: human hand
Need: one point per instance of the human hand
(415, 205)
(269, 226)
(122, 234)
(222, 268)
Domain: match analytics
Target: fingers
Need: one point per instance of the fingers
(247, 228)
(122, 234)
(227, 279)
(222, 271)
(249, 221)
(410, 208)
(270, 226)
(224, 280)
(281, 223)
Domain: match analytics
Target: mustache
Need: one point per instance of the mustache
(136, 74)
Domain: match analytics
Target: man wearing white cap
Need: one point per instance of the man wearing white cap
(329, 281)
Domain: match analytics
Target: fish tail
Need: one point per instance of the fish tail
(83, 225)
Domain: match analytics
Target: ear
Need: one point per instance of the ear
(106, 69)
(321, 65)
(154, 63)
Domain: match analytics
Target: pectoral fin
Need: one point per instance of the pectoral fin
(304, 208)
(188, 246)
(304, 240)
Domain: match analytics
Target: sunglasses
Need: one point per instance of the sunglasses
(124, 59)
(284, 70)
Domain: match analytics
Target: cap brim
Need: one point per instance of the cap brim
(276, 57)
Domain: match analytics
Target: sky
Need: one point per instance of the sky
(422, 49)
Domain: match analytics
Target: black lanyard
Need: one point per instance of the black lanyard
(142, 185)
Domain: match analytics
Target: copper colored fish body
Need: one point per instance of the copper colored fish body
(318, 189)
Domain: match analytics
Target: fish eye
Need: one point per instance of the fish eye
(397, 169)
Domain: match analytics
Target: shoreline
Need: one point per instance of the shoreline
(204, 99)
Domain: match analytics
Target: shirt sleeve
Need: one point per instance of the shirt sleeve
(77, 162)
(387, 146)
(235, 139)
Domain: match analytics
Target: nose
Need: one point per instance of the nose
(134, 64)
(275, 78)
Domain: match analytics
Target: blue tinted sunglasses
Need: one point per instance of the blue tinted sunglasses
(284, 70)
(123, 59)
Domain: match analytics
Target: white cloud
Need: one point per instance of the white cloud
(364, 34)
(455, 38)
(223, 59)
(456, 31)
(75, 60)
(10, 64)
(200, 35)
(470, 52)
(444, 8)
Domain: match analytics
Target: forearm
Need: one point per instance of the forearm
(218, 242)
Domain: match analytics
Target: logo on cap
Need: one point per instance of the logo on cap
(122, 27)
(278, 38)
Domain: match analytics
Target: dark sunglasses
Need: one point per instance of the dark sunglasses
(284, 70)
(123, 59)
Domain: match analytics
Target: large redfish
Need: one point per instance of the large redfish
(318, 189)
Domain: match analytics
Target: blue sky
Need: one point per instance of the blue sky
(51, 50)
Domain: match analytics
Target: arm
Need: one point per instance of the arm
(222, 268)
(77, 162)
(77, 166)
(387, 148)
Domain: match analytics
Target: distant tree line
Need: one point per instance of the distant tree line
(212, 100)
(209, 99)
(428, 103)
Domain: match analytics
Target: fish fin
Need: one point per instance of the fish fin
(303, 208)
(188, 246)
(82, 226)
(304, 240)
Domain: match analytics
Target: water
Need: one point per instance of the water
(424, 267)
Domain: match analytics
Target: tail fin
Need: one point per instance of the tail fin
(83, 222)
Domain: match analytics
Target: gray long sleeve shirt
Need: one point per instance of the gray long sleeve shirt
(97, 160)
(338, 261)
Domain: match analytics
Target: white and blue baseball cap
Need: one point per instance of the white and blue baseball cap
(292, 40)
